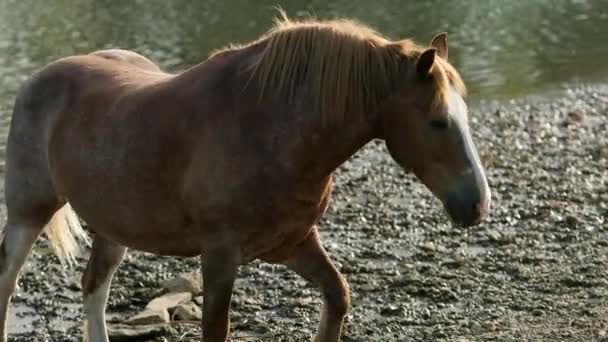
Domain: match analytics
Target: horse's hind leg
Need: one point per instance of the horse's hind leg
(105, 258)
(310, 261)
(30, 205)
(19, 237)
(30, 198)
(27, 216)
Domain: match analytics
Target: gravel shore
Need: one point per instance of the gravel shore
(535, 270)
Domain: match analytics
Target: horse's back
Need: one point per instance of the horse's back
(65, 87)
(128, 57)
(64, 81)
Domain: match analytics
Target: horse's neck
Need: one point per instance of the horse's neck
(315, 144)
(302, 140)
(324, 148)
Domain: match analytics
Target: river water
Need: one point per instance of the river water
(503, 49)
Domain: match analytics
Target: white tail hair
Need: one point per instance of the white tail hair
(65, 233)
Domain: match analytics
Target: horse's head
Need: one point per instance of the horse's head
(425, 126)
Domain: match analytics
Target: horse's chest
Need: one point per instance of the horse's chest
(285, 225)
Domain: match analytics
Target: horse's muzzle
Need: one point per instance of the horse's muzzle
(468, 202)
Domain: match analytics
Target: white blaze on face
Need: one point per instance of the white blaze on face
(458, 113)
(457, 108)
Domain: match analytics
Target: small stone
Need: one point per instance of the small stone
(576, 115)
(446, 295)
(488, 326)
(304, 302)
(124, 333)
(428, 246)
(603, 152)
(469, 283)
(198, 300)
(452, 263)
(493, 235)
(169, 301)
(571, 220)
(475, 327)
(537, 312)
(187, 282)
(187, 312)
(440, 334)
(149, 316)
(425, 313)
(391, 310)
(74, 285)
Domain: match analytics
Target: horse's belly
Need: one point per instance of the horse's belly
(161, 231)
(176, 242)
(139, 212)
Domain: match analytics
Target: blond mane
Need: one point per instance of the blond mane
(343, 66)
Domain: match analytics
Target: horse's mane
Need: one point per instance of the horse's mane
(342, 65)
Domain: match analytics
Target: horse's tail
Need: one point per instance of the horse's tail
(65, 233)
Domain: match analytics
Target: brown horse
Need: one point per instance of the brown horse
(231, 159)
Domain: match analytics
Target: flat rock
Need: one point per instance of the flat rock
(187, 312)
(186, 282)
(123, 332)
(149, 316)
(169, 301)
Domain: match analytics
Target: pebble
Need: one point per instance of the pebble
(185, 282)
(489, 326)
(187, 312)
(169, 301)
(149, 316)
(121, 332)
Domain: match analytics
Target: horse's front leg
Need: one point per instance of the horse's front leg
(219, 268)
(105, 258)
(310, 261)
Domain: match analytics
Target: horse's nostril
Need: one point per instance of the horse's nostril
(480, 208)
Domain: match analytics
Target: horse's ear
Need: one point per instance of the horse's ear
(425, 62)
(440, 42)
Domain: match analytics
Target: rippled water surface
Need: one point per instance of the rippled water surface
(502, 48)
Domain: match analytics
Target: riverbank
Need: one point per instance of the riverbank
(536, 269)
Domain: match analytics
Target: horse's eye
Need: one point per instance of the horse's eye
(439, 124)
